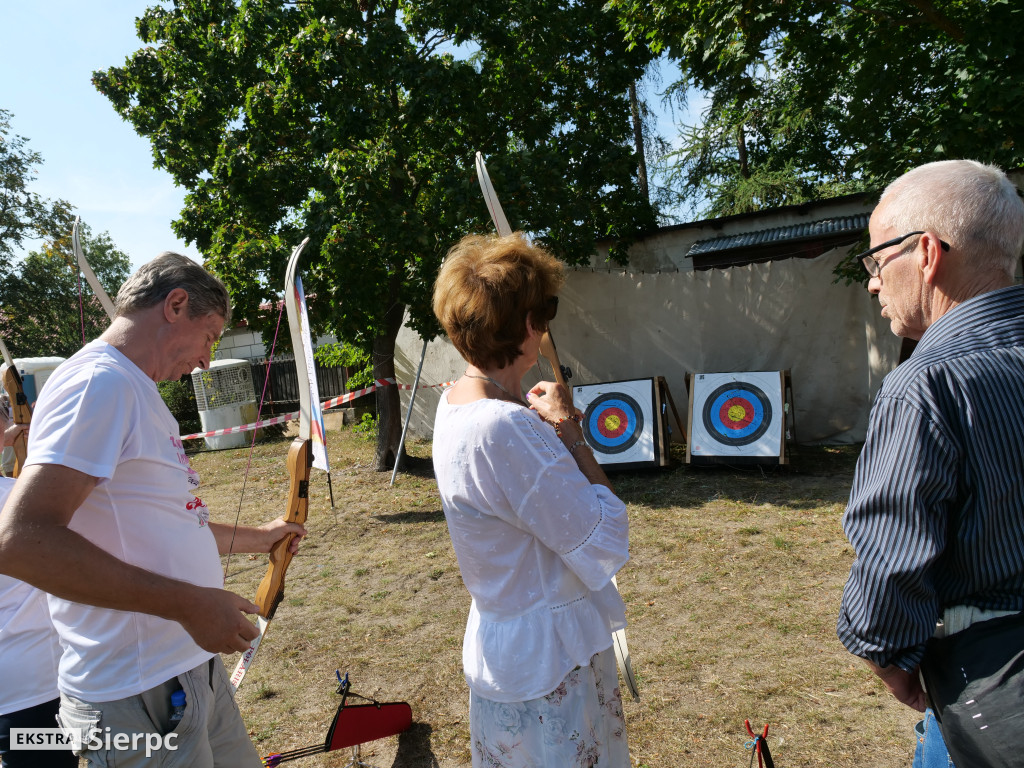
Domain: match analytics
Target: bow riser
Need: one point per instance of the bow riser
(20, 412)
(271, 589)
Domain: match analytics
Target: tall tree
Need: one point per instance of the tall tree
(355, 123)
(43, 303)
(809, 98)
(24, 213)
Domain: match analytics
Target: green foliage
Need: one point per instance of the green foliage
(355, 124)
(44, 304)
(813, 98)
(358, 129)
(849, 270)
(347, 356)
(24, 215)
(367, 427)
(180, 398)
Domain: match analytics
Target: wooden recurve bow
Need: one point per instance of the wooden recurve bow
(21, 412)
(300, 459)
(550, 353)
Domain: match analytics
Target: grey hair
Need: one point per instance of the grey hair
(973, 206)
(155, 279)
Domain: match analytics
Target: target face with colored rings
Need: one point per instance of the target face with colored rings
(613, 423)
(737, 413)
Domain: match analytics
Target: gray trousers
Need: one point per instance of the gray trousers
(137, 731)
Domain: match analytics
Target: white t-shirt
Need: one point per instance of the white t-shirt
(101, 415)
(29, 651)
(537, 546)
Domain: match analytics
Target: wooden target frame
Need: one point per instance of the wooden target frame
(739, 418)
(626, 423)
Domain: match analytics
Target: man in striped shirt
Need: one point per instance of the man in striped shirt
(936, 513)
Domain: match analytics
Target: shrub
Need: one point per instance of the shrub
(181, 400)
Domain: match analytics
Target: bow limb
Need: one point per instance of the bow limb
(547, 343)
(90, 276)
(550, 352)
(21, 413)
(491, 198)
(300, 458)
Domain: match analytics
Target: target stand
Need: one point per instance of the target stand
(739, 418)
(626, 423)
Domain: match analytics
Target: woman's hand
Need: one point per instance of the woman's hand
(554, 404)
(552, 401)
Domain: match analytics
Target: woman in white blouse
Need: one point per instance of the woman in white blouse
(537, 530)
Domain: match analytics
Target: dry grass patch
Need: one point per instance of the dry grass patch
(732, 594)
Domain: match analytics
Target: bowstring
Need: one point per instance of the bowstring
(252, 445)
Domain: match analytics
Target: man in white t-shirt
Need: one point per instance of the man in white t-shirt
(104, 517)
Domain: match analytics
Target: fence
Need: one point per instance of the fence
(283, 390)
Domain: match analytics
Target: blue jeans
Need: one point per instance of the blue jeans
(931, 749)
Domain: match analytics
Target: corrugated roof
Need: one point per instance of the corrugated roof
(838, 225)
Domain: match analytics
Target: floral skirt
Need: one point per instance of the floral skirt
(578, 725)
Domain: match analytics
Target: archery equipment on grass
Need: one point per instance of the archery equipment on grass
(759, 746)
(353, 726)
(739, 418)
(626, 423)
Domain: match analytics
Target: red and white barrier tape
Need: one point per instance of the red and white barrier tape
(332, 403)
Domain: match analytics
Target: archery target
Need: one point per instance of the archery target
(737, 414)
(618, 420)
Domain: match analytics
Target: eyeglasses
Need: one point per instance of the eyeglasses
(872, 265)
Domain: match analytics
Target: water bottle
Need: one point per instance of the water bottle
(177, 706)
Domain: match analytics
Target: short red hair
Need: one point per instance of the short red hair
(487, 287)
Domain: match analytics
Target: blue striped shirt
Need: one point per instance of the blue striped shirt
(936, 513)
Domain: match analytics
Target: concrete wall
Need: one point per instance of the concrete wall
(239, 343)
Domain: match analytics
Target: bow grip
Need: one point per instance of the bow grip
(20, 412)
(271, 589)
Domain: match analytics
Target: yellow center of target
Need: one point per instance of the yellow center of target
(612, 422)
(737, 412)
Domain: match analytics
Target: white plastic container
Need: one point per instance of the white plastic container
(34, 373)
(225, 398)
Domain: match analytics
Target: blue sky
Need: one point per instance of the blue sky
(91, 158)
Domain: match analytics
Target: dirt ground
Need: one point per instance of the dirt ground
(732, 592)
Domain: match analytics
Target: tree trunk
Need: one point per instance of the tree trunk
(389, 405)
(741, 148)
(638, 140)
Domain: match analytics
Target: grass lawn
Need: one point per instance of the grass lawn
(731, 594)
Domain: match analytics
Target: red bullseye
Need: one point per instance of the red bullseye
(612, 422)
(736, 413)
